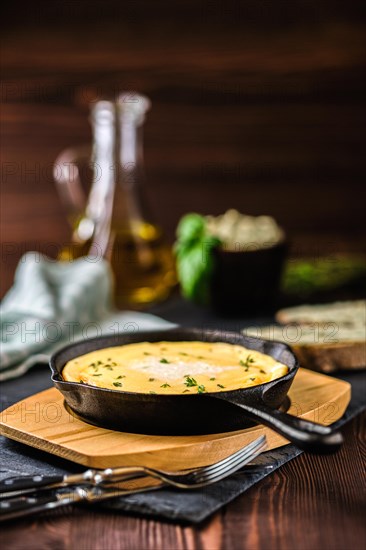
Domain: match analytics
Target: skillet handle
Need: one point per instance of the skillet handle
(309, 436)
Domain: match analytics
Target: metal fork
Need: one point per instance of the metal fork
(211, 474)
(22, 506)
(25, 485)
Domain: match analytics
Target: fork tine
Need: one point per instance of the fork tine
(209, 480)
(196, 480)
(231, 470)
(231, 458)
(235, 463)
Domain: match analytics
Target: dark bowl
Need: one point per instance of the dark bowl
(247, 282)
(170, 414)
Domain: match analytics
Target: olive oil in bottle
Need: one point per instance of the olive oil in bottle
(115, 224)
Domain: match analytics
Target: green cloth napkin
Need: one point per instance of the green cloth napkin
(55, 303)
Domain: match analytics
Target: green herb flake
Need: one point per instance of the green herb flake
(120, 376)
(117, 384)
(185, 391)
(262, 371)
(212, 379)
(166, 385)
(190, 381)
(96, 375)
(165, 361)
(252, 379)
(248, 361)
(151, 379)
(220, 386)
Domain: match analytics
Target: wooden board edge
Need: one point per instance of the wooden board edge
(42, 444)
(233, 440)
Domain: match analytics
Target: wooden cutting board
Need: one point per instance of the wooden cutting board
(42, 421)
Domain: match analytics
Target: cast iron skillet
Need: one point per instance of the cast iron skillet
(192, 413)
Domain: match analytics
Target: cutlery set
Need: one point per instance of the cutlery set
(27, 495)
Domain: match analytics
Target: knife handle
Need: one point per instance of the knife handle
(21, 483)
(41, 502)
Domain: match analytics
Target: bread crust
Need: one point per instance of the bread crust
(328, 357)
(332, 357)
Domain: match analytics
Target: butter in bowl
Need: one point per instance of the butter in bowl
(232, 262)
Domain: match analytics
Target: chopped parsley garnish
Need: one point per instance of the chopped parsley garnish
(163, 360)
(117, 384)
(191, 382)
(166, 385)
(121, 376)
(252, 379)
(248, 361)
(213, 378)
(262, 371)
(220, 386)
(96, 375)
(185, 391)
(151, 379)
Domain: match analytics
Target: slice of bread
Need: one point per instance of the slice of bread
(326, 337)
(351, 314)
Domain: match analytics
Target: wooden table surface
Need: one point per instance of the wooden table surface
(313, 502)
(254, 107)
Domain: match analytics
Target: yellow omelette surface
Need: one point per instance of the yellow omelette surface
(174, 368)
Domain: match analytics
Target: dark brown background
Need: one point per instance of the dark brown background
(257, 105)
